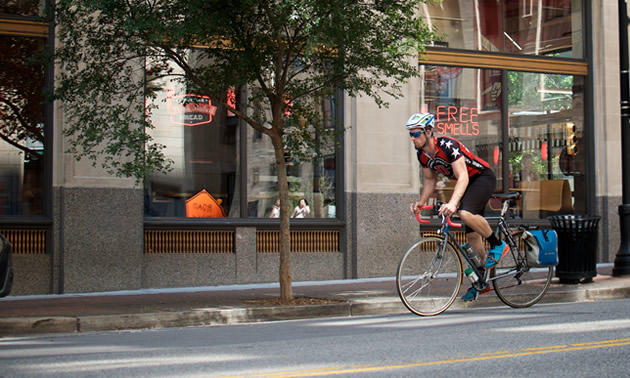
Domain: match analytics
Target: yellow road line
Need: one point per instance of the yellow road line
(497, 355)
(546, 348)
(494, 353)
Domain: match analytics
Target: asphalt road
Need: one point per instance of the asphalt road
(559, 340)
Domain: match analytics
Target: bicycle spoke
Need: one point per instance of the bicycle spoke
(411, 284)
(427, 278)
(516, 284)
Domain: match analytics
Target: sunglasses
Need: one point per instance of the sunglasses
(415, 134)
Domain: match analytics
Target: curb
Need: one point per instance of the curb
(205, 317)
(193, 318)
(36, 325)
(14, 326)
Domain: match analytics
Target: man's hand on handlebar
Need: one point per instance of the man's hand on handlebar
(441, 209)
(447, 209)
(415, 207)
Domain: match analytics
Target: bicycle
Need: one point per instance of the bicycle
(430, 272)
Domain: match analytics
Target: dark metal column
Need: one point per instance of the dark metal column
(622, 261)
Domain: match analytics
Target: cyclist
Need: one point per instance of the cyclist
(475, 183)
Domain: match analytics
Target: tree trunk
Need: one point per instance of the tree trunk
(285, 278)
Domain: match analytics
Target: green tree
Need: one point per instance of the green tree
(524, 89)
(288, 54)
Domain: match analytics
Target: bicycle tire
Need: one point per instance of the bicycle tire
(428, 285)
(522, 286)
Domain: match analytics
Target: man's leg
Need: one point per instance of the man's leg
(476, 242)
(481, 230)
(472, 206)
(480, 225)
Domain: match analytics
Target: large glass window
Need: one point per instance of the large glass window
(532, 27)
(22, 142)
(312, 181)
(546, 152)
(467, 105)
(201, 138)
(544, 145)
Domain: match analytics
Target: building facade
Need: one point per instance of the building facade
(532, 87)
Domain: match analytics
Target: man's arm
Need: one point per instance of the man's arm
(461, 172)
(428, 187)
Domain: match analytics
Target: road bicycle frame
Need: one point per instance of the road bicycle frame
(502, 230)
(424, 277)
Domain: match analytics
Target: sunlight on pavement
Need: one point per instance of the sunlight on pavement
(591, 326)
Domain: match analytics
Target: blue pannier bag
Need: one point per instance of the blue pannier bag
(541, 247)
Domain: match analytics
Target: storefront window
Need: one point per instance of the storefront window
(22, 127)
(545, 128)
(532, 27)
(201, 138)
(467, 105)
(312, 181)
(546, 151)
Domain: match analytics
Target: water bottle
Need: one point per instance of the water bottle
(474, 257)
(472, 276)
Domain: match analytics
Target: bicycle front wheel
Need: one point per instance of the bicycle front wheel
(429, 276)
(516, 283)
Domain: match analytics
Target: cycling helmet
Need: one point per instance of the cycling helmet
(421, 121)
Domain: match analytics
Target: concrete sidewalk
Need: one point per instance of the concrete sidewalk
(219, 305)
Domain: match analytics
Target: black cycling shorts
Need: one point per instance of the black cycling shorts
(480, 189)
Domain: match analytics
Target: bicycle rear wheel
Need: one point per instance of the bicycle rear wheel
(428, 279)
(518, 284)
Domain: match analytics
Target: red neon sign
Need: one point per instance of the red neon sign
(457, 120)
(190, 109)
(231, 101)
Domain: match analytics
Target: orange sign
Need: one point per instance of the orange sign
(203, 205)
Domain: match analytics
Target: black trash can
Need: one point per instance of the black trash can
(577, 247)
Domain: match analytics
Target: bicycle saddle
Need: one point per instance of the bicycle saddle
(504, 196)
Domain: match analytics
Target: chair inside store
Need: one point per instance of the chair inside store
(544, 198)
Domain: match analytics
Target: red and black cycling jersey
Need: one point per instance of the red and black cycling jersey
(447, 151)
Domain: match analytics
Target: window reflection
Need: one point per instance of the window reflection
(467, 106)
(201, 138)
(545, 144)
(312, 182)
(532, 27)
(21, 127)
(546, 123)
